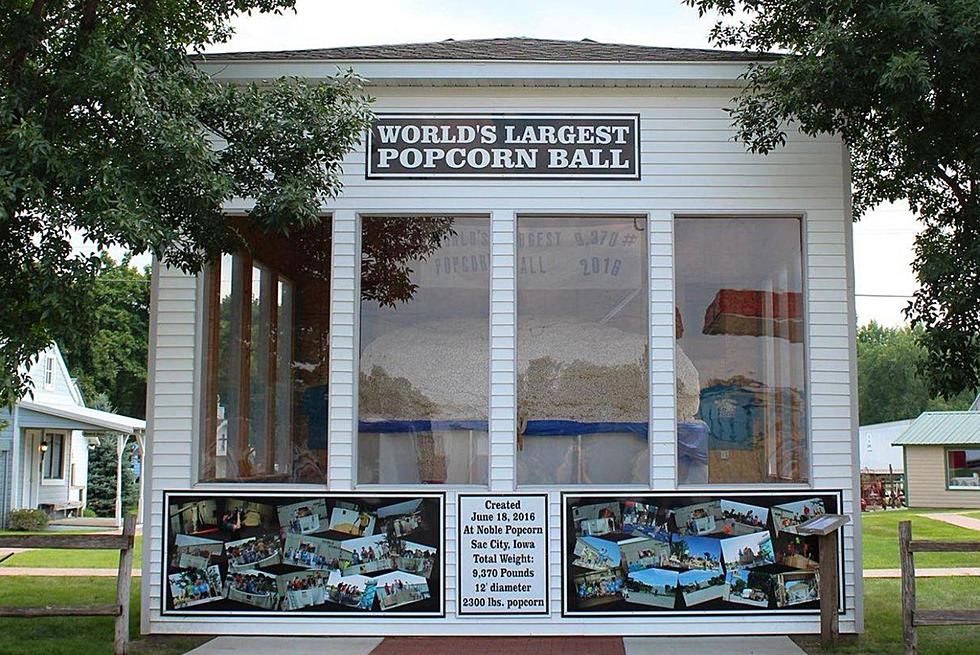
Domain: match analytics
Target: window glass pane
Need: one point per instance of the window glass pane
(54, 457)
(582, 346)
(964, 468)
(741, 379)
(267, 359)
(424, 351)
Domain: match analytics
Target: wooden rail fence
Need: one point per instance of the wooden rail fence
(120, 609)
(912, 617)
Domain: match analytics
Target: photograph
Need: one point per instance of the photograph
(694, 553)
(256, 588)
(699, 519)
(195, 586)
(701, 586)
(192, 552)
(352, 521)
(195, 518)
(400, 588)
(304, 517)
(356, 591)
(314, 552)
(367, 555)
(796, 588)
(254, 552)
(240, 514)
(596, 554)
(400, 519)
(656, 587)
(598, 587)
(797, 552)
(748, 551)
(641, 553)
(747, 587)
(638, 517)
(302, 589)
(416, 558)
(786, 517)
(741, 518)
(597, 519)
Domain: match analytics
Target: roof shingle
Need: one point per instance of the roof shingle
(505, 49)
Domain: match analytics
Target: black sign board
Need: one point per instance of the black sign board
(521, 146)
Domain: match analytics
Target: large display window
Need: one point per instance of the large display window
(740, 356)
(582, 350)
(265, 351)
(423, 387)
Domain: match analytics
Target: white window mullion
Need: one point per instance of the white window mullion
(342, 414)
(503, 351)
(663, 415)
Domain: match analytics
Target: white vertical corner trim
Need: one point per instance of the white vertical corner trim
(503, 350)
(663, 422)
(342, 403)
(857, 567)
(147, 463)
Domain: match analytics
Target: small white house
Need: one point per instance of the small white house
(43, 448)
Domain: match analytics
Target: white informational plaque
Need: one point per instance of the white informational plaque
(503, 554)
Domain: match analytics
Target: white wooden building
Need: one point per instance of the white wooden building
(621, 308)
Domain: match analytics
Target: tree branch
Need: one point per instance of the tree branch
(961, 195)
(17, 60)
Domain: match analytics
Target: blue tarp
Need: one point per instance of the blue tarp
(541, 428)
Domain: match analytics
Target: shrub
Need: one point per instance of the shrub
(89, 513)
(30, 520)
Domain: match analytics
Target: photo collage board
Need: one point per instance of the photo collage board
(329, 554)
(697, 553)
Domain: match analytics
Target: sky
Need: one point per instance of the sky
(882, 239)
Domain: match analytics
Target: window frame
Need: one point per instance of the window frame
(648, 218)
(207, 403)
(951, 449)
(46, 436)
(48, 372)
(359, 217)
(808, 466)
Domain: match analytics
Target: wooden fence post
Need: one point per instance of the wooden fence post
(908, 587)
(829, 599)
(123, 585)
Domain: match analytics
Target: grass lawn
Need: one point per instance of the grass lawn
(74, 635)
(883, 618)
(881, 540)
(72, 559)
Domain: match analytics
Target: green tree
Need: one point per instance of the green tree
(899, 81)
(107, 354)
(102, 470)
(890, 384)
(109, 131)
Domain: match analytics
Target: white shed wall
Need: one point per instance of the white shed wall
(689, 166)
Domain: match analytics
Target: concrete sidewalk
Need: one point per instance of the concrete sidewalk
(956, 519)
(499, 646)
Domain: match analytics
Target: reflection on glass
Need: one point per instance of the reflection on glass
(964, 468)
(583, 400)
(424, 352)
(741, 379)
(265, 389)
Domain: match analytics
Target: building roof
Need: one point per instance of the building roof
(504, 49)
(85, 418)
(942, 428)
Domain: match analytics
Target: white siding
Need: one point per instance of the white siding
(690, 166)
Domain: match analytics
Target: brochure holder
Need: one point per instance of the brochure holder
(825, 527)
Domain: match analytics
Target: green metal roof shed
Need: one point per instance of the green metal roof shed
(942, 429)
